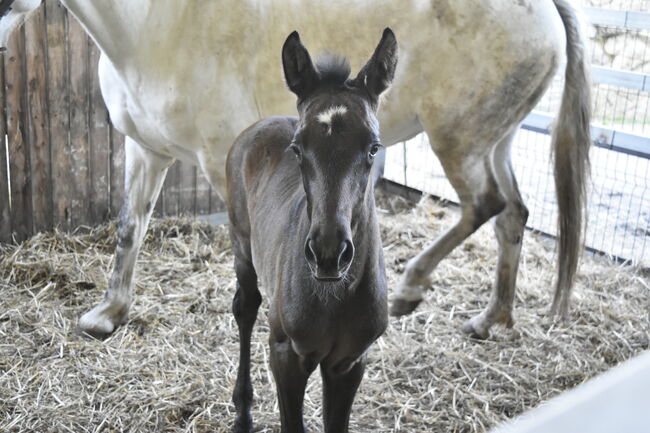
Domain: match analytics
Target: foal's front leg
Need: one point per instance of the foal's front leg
(291, 373)
(244, 306)
(339, 389)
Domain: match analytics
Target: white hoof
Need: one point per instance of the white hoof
(479, 326)
(476, 328)
(101, 321)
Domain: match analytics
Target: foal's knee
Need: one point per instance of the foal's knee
(245, 305)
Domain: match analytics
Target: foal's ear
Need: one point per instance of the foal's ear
(299, 71)
(378, 73)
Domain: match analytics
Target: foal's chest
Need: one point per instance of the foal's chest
(338, 334)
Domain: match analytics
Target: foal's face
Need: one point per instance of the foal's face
(335, 145)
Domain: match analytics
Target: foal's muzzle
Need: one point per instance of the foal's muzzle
(329, 260)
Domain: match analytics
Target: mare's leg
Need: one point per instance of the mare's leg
(509, 228)
(338, 394)
(244, 306)
(291, 373)
(144, 175)
(471, 176)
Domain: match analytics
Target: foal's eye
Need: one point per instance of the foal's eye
(296, 151)
(376, 147)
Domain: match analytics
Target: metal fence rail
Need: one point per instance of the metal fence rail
(619, 198)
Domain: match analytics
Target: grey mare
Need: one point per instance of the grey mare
(470, 71)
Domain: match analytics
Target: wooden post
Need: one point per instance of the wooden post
(216, 204)
(59, 113)
(18, 145)
(38, 130)
(171, 186)
(79, 109)
(187, 190)
(5, 212)
(202, 193)
(159, 207)
(100, 148)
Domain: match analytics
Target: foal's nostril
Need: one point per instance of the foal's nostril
(346, 253)
(309, 252)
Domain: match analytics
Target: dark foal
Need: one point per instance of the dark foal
(302, 212)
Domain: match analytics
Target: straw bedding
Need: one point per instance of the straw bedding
(172, 367)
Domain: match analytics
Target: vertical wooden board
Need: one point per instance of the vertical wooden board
(79, 109)
(18, 146)
(159, 207)
(187, 189)
(58, 110)
(202, 193)
(216, 203)
(116, 171)
(170, 187)
(38, 134)
(100, 148)
(5, 214)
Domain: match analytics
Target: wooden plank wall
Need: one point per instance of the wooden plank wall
(61, 161)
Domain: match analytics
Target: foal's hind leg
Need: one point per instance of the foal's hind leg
(244, 306)
(509, 228)
(472, 178)
(144, 175)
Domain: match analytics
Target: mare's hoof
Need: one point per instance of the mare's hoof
(474, 331)
(97, 334)
(402, 307)
(102, 321)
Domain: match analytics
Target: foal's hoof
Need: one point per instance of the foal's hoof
(243, 425)
(101, 321)
(474, 330)
(402, 307)
(559, 314)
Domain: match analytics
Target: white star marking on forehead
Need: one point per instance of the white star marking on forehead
(327, 115)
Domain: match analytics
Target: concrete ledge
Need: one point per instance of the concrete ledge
(216, 219)
(618, 401)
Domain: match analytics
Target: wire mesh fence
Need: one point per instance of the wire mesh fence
(625, 5)
(619, 194)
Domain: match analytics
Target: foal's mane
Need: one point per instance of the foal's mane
(333, 69)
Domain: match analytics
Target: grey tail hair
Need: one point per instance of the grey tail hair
(570, 146)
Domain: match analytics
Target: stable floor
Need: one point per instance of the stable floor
(172, 367)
